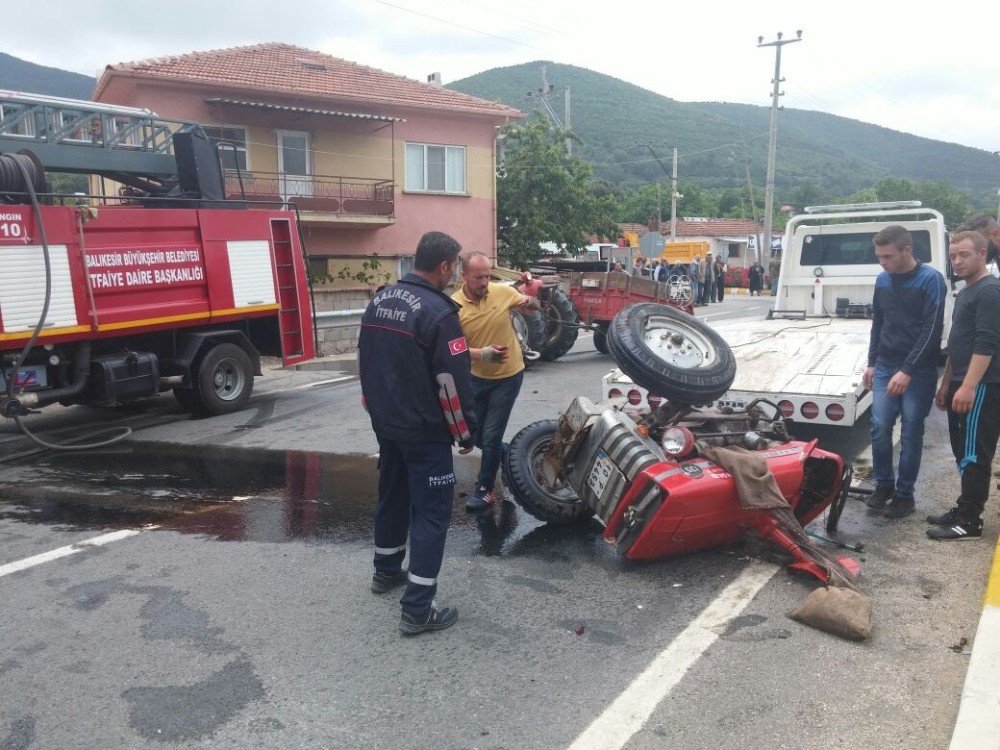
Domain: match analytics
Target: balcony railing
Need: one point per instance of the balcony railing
(321, 193)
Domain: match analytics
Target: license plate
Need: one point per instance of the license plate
(600, 474)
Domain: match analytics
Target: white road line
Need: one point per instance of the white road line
(630, 710)
(72, 549)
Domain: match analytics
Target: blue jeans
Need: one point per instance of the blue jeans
(912, 408)
(492, 403)
(695, 290)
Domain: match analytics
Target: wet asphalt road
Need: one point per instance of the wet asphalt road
(244, 619)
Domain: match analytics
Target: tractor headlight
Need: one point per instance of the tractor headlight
(677, 441)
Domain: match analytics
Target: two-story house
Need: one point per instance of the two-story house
(372, 159)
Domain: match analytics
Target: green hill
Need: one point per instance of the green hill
(21, 75)
(717, 140)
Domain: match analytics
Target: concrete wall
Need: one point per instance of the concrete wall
(343, 338)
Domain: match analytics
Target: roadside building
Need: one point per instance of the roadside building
(372, 159)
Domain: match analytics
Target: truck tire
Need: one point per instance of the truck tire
(558, 309)
(699, 366)
(185, 397)
(520, 468)
(601, 338)
(223, 380)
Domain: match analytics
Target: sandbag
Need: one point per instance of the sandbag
(839, 611)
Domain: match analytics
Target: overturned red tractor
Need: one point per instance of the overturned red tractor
(675, 477)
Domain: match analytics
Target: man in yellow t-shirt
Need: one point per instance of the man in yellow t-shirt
(497, 364)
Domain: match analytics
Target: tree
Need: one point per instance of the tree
(954, 204)
(546, 195)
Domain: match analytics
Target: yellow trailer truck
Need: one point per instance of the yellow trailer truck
(683, 252)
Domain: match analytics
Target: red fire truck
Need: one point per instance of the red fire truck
(166, 284)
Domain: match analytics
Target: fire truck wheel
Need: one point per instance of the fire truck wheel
(601, 338)
(671, 353)
(185, 397)
(224, 380)
(558, 309)
(522, 470)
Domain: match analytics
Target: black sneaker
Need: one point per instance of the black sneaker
(948, 518)
(384, 582)
(899, 507)
(877, 500)
(436, 619)
(956, 532)
(481, 500)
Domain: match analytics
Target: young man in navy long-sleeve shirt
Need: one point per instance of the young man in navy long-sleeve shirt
(907, 322)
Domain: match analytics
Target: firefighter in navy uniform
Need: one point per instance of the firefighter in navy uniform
(416, 384)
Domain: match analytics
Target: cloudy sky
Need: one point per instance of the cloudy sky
(929, 70)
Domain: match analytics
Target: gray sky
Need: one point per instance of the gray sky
(929, 70)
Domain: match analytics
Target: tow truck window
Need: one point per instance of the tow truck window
(855, 249)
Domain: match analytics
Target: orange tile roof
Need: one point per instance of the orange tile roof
(713, 228)
(278, 68)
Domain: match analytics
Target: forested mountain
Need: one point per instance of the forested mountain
(823, 154)
(21, 75)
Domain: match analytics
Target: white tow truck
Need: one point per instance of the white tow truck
(808, 355)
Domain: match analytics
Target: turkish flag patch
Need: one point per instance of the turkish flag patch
(457, 346)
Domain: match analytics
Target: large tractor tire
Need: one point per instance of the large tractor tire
(561, 318)
(671, 353)
(522, 467)
(223, 380)
(529, 328)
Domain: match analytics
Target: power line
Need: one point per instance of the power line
(539, 28)
(458, 25)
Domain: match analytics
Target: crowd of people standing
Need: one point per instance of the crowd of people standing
(706, 275)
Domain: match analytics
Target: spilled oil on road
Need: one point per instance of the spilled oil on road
(240, 494)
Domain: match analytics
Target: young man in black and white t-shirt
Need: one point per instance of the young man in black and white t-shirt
(970, 388)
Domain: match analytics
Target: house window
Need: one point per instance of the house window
(232, 138)
(405, 266)
(435, 169)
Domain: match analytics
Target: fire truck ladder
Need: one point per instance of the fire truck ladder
(128, 145)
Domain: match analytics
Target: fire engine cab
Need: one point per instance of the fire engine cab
(160, 282)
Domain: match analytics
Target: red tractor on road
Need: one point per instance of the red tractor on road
(655, 476)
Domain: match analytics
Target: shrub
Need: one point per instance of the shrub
(737, 276)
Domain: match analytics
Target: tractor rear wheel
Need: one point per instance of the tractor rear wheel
(671, 353)
(560, 323)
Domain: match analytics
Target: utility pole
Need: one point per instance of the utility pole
(673, 200)
(542, 96)
(569, 141)
(773, 142)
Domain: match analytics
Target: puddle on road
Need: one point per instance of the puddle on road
(239, 494)
(227, 493)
